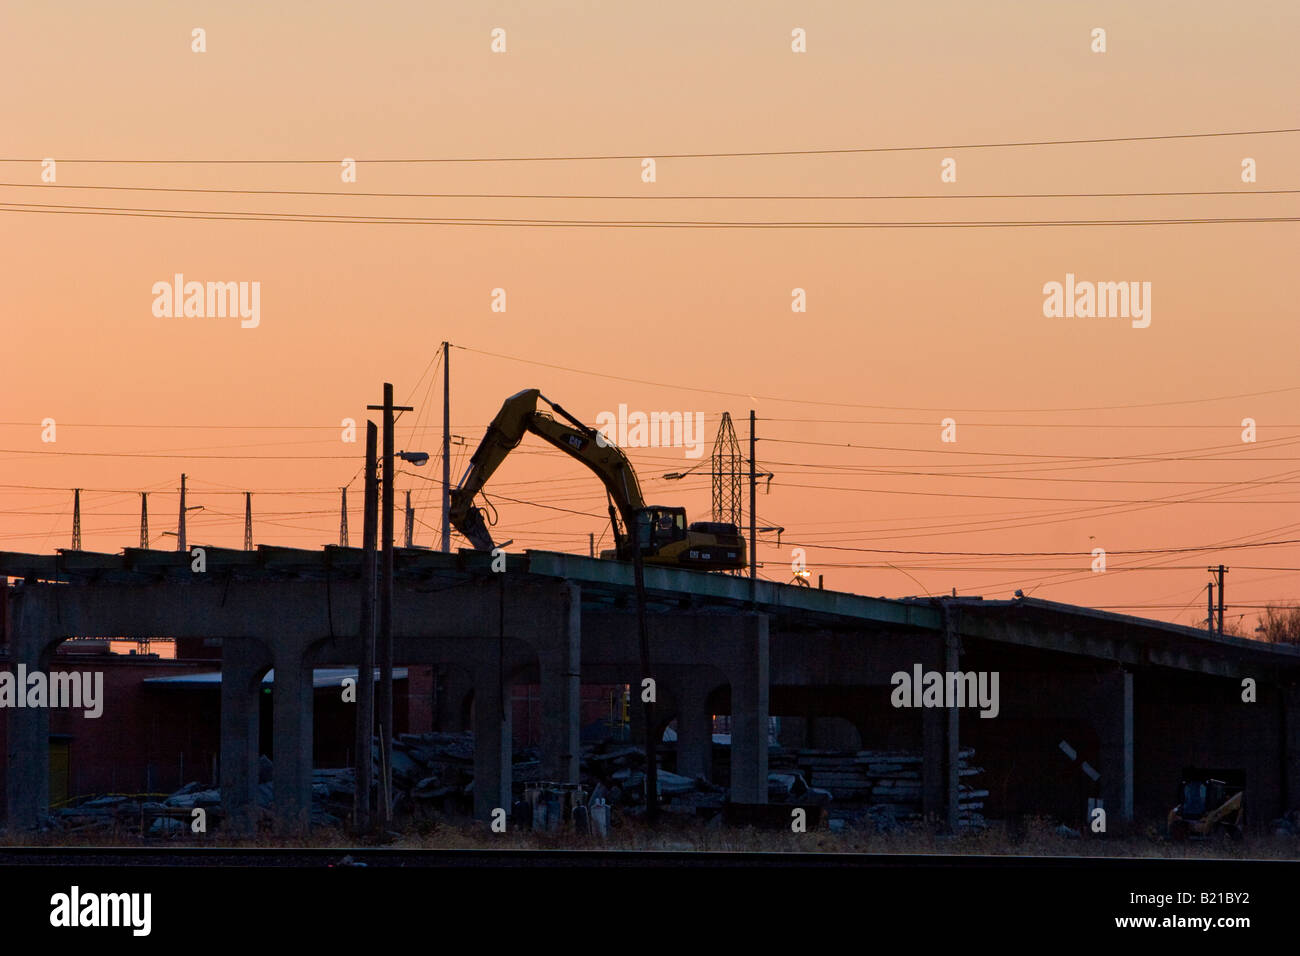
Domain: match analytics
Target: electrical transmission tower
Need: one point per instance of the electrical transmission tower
(343, 520)
(144, 519)
(728, 469)
(248, 521)
(76, 519)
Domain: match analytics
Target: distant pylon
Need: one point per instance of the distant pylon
(180, 525)
(410, 521)
(144, 519)
(76, 519)
(343, 520)
(728, 468)
(248, 521)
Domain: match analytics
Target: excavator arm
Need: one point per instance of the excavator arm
(518, 416)
(661, 533)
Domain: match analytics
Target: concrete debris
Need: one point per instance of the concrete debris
(433, 776)
(191, 796)
(882, 787)
(793, 789)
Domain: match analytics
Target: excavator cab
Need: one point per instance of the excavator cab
(658, 526)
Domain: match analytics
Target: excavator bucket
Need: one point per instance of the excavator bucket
(469, 522)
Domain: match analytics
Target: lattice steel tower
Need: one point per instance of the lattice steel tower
(76, 519)
(343, 520)
(728, 472)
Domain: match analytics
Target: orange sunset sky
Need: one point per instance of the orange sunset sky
(1058, 419)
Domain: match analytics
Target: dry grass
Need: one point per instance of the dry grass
(1036, 838)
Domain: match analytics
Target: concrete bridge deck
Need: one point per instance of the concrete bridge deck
(1142, 698)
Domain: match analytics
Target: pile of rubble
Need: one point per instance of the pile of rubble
(885, 785)
(433, 774)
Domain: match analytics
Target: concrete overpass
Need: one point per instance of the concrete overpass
(1137, 699)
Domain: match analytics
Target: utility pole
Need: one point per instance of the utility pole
(384, 703)
(144, 519)
(410, 520)
(366, 670)
(446, 447)
(343, 519)
(753, 515)
(248, 521)
(1220, 571)
(591, 543)
(76, 519)
(643, 636)
(1209, 607)
(180, 531)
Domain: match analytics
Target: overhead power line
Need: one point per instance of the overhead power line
(659, 197)
(357, 220)
(1065, 554)
(896, 408)
(729, 154)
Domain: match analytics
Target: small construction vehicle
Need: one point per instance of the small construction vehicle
(1212, 802)
(661, 532)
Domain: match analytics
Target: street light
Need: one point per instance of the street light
(416, 458)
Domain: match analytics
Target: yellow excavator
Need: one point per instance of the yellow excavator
(661, 532)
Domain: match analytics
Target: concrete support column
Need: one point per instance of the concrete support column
(28, 728)
(749, 713)
(695, 728)
(1114, 723)
(935, 738)
(292, 729)
(559, 667)
(1289, 700)
(952, 726)
(240, 705)
(492, 745)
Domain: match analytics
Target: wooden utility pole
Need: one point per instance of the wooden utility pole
(384, 702)
(366, 669)
(446, 447)
(1220, 571)
(643, 636)
(753, 515)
